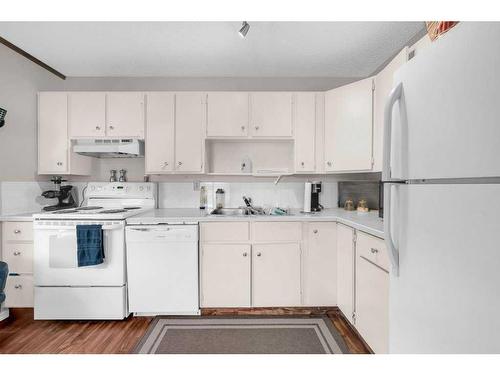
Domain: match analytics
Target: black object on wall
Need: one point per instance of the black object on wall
(3, 113)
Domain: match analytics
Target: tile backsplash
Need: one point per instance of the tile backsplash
(17, 197)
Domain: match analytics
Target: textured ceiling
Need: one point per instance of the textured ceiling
(212, 49)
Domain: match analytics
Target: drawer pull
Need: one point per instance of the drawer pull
(17, 231)
(16, 253)
(315, 231)
(18, 286)
(373, 250)
(259, 254)
(245, 254)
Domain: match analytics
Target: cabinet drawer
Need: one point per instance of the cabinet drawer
(277, 231)
(19, 257)
(373, 249)
(19, 291)
(18, 231)
(224, 232)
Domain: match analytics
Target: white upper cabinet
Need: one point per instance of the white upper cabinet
(54, 148)
(112, 114)
(125, 114)
(160, 151)
(227, 114)
(87, 114)
(271, 114)
(383, 86)
(305, 131)
(348, 127)
(52, 132)
(189, 118)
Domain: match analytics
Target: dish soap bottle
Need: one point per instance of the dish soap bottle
(219, 198)
(203, 197)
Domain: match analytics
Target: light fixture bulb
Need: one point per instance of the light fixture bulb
(244, 29)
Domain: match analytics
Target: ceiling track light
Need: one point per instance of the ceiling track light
(244, 29)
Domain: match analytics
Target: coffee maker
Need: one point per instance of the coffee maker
(65, 195)
(311, 197)
(315, 190)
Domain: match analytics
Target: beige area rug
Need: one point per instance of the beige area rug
(241, 335)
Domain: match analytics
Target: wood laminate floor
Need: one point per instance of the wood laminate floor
(22, 334)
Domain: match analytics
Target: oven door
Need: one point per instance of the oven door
(55, 255)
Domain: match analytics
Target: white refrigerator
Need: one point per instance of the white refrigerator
(442, 195)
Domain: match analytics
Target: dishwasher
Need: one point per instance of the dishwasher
(162, 269)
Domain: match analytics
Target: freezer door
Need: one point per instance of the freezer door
(446, 297)
(446, 124)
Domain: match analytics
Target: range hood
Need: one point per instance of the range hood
(109, 148)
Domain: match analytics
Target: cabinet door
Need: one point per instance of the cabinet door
(271, 114)
(125, 114)
(227, 114)
(383, 87)
(19, 291)
(372, 304)
(188, 132)
(225, 275)
(160, 132)
(345, 271)
(276, 275)
(305, 131)
(348, 127)
(87, 114)
(320, 264)
(53, 145)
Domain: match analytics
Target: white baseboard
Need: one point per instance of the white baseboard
(4, 313)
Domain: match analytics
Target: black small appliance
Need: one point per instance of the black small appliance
(65, 195)
(315, 190)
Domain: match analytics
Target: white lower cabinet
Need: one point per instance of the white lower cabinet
(276, 275)
(319, 263)
(225, 275)
(345, 271)
(19, 291)
(17, 252)
(372, 304)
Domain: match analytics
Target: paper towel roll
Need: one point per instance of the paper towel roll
(307, 197)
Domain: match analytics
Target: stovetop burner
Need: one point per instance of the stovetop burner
(85, 208)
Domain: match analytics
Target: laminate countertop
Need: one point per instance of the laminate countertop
(24, 216)
(366, 222)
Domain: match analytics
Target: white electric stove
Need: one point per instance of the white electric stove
(62, 289)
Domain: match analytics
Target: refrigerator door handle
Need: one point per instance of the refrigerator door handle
(392, 251)
(394, 97)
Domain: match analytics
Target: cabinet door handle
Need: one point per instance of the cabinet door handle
(257, 127)
(97, 128)
(18, 286)
(165, 164)
(111, 127)
(315, 231)
(17, 231)
(259, 254)
(16, 253)
(59, 163)
(302, 163)
(329, 163)
(179, 163)
(243, 128)
(245, 254)
(374, 251)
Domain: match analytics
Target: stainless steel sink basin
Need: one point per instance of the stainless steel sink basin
(231, 211)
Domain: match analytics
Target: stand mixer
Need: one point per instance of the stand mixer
(65, 195)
